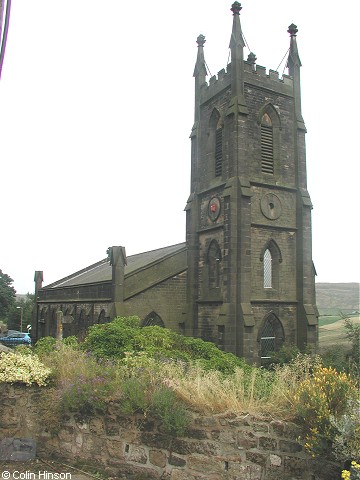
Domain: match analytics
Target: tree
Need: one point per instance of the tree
(14, 313)
(7, 294)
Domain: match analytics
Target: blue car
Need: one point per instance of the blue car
(13, 338)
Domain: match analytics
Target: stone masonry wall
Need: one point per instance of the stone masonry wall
(217, 447)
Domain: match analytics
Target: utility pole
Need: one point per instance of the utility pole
(21, 318)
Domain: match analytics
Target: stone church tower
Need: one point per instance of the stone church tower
(250, 279)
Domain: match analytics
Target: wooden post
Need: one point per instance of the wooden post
(59, 325)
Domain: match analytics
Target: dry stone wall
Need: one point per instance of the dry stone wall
(216, 447)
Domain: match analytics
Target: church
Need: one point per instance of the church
(244, 277)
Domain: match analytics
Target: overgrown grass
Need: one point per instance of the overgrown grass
(167, 390)
(211, 391)
(157, 372)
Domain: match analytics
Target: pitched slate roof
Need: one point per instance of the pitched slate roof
(101, 271)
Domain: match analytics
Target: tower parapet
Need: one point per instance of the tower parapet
(253, 75)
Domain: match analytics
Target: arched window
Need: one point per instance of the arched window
(43, 314)
(271, 336)
(267, 145)
(68, 315)
(218, 151)
(216, 142)
(268, 282)
(68, 321)
(82, 324)
(101, 317)
(213, 263)
(271, 258)
(270, 126)
(152, 319)
(52, 331)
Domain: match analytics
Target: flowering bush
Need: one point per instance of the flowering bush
(353, 474)
(18, 368)
(321, 398)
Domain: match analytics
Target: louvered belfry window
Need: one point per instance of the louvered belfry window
(267, 145)
(218, 152)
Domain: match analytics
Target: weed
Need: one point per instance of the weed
(134, 396)
(173, 415)
(51, 410)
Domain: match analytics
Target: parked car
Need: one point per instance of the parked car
(13, 338)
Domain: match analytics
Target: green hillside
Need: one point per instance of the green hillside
(334, 333)
(335, 301)
(333, 298)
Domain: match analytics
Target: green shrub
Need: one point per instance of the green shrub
(286, 354)
(209, 357)
(155, 336)
(124, 336)
(335, 357)
(45, 345)
(24, 350)
(114, 339)
(71, 342)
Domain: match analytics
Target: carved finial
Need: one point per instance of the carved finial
(235, 8)
(251, 58)
(292, 30)
(200, 40)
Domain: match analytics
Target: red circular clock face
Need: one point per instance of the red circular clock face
(214, 208)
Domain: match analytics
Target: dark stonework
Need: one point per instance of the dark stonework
(244, 279)
(239, 448)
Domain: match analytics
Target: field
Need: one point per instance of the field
(332, 331)
(334, 297)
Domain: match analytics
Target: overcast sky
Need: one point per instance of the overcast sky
(96, 108)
